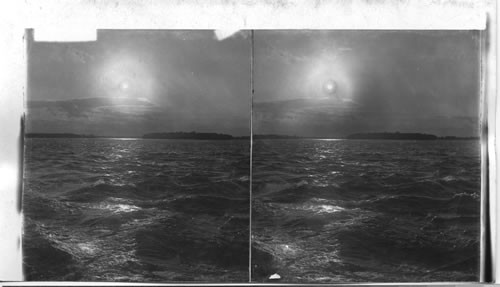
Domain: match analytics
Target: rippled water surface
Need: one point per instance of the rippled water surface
(136, 210)
(323, 211)
(366, 211)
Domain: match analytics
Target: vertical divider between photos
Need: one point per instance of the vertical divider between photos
(251, 156)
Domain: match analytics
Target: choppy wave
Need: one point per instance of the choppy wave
(141, 210)
(366, 211)
(339, 211)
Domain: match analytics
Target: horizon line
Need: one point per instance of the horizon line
(277, 136)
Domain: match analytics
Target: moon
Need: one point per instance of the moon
(330, 87)
(124, 86)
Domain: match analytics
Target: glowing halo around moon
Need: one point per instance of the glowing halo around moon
(125, 75)
(328, 77)
(330, 87)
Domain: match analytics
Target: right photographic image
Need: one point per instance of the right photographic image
(366, 156)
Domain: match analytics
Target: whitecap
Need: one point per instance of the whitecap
(449, 178)
(320, 205)
(326, 208)
(87, 248)
(118, 207)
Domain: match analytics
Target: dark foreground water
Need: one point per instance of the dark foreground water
(353, 211)
(136, 210)
(323, 211)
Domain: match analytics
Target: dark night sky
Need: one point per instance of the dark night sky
(308, 83)
(132, 82)
(407, 81)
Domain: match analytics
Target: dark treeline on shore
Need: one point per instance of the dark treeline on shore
(404, 136)
(57, 135)
(188, 135)
(214, 136)
(69, 135)
(270, 136)
(165, 135)
(392, 136)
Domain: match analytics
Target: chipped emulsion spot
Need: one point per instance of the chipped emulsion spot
(224, 34)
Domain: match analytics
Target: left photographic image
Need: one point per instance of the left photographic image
(137, 157)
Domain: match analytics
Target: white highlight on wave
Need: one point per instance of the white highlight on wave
(326, 208)
(320, 205)
(117, 207)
